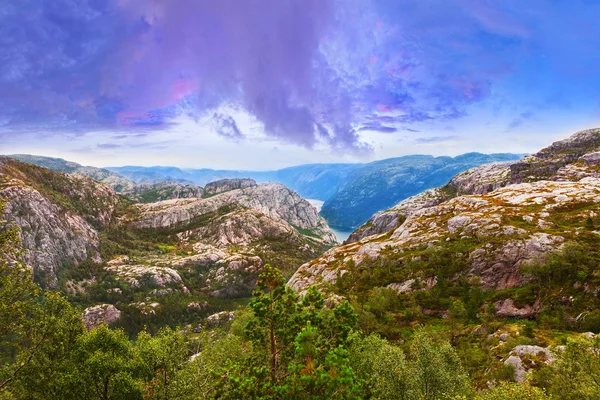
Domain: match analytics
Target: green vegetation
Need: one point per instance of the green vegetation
(412, 324)
(280, 347)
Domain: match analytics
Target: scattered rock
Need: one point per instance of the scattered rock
(507, 308)
(146, 307)
(219, 319)
(517, 364)
(516, 355)
(102, 313)
(197, 306)
(542, 352)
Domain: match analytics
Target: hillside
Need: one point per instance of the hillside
(83, 238)
(505, 259)
(524, 233)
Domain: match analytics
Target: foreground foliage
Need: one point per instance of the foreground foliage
(281, 346)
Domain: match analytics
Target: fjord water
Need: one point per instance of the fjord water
(340, 234)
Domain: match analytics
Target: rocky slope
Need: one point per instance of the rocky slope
(58, 214)
(487, 224)
(571, 159)
(479, 180)
(225, 185)
(147, 260)
(274, 200)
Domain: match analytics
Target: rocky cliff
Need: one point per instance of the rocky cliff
(487, 224)
(273, 200)
(571, 159)
(225, 185)
(80, 236)
(58, 214)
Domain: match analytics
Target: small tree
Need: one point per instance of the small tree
(436, 368)
(577, 371)
(106, 366)
(298, 346)
(589, 224)
(160, 358)
(381, 367)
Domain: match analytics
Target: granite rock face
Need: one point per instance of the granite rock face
(386, 221)
(137, 275)
(225, 185)
(273, 200)
(507, 308)
(554, 161)
(571, 159)
(494, 215)
(58, 226)
(509, 219)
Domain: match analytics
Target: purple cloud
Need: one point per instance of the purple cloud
(378, 127)
(227, 127)
(309, 70)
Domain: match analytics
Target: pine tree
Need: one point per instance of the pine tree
(299, 347)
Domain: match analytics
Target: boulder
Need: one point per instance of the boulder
(517, 364)
(219, 318)
(515, 359)
(102, 313)
(507, 308)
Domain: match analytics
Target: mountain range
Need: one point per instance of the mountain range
(504, 258)
(351, 192)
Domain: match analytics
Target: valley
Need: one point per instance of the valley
(504, 257)
(299, 200)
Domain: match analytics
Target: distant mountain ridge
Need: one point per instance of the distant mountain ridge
(351, 192)
(315, 181)
(381, 184)
(137, 191)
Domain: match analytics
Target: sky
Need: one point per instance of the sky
(264, 84)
